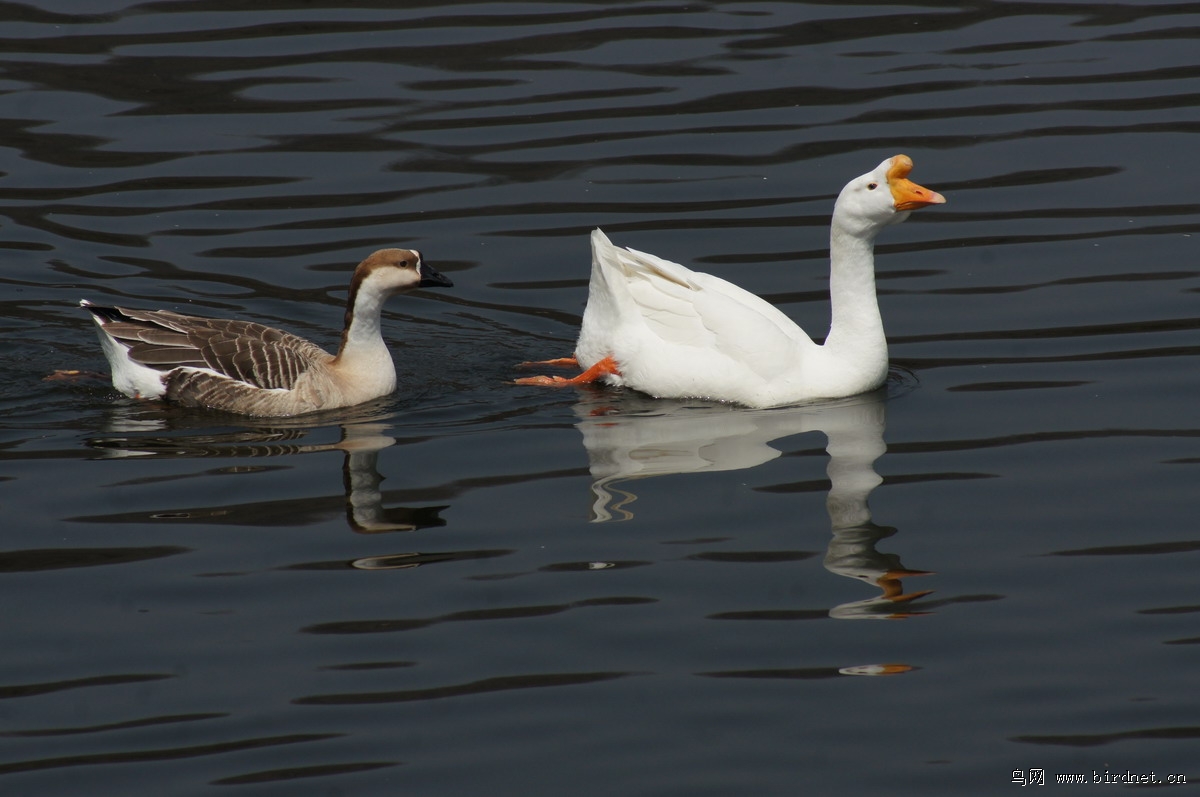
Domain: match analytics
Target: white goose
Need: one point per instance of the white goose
(663, 329)
(249, 368)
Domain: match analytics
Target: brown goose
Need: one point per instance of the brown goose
(252, 369)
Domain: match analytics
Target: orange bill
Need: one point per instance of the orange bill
(906, 194)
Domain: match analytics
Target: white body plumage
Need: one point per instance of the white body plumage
(668, 331)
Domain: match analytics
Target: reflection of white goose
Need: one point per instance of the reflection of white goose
(855, 441)
(631, 438)
(656, 438)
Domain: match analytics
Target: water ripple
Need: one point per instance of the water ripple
(473, 688)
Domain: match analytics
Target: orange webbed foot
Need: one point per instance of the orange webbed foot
(606, 367)
(72, 375)
(543, 381)
(558, 362)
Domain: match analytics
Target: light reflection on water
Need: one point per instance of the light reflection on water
(470, 585)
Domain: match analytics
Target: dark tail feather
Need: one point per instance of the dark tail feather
(105, 314)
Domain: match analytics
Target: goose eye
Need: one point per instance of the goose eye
(872, 186)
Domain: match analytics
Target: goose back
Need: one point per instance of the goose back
(258, 355)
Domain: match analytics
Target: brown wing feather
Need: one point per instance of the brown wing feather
(204, 389)
(253, 353)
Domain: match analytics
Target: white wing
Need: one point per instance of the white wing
(692, 309)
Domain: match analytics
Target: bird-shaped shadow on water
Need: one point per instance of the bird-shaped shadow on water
(361, 499)
(629, 438)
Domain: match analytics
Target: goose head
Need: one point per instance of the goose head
(881, 197)
(390, 271)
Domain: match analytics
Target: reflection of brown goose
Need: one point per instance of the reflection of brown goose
(249, 368)
(365, 510)
(362, 503)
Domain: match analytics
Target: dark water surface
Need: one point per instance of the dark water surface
(476, 588)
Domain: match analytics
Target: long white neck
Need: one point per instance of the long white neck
(363, 348)
(856, 328)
